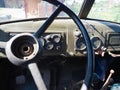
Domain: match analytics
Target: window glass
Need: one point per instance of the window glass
(25, 9)
(106, 10)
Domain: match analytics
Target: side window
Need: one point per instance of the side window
(106, 10)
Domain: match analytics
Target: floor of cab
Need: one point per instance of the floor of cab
(65, 75)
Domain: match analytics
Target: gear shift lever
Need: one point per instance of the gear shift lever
(108, 81)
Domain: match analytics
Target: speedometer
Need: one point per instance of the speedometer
(96, 42)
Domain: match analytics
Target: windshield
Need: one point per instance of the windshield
(106, 10)
(25, 9)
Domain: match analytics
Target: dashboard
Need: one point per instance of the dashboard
(64, 38)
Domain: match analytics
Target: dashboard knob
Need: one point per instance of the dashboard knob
(77, 33)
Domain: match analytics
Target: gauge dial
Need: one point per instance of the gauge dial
(80, 44)
(49, 46)
(56, 38)
(96, 42)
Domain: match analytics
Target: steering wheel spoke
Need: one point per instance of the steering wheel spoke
(3, 45)
(42, 29)
(37, 76)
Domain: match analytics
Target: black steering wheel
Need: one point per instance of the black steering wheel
(25, 47)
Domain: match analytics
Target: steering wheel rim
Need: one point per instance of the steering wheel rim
(41, 30)
(90, 65)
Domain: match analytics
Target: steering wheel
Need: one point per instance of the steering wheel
(24, 48)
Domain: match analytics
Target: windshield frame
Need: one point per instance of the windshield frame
(85, 9)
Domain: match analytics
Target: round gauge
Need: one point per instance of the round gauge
(56, 38)
(49, 46)
(80, 44)
(96, 42)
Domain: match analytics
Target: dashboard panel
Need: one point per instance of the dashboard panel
(64, 38)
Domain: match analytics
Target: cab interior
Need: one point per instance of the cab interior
(60, 53)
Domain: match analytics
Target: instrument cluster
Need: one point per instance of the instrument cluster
(51, 41)
(80, 42)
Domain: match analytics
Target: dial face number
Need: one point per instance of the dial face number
(96, 42)
(80, 44)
